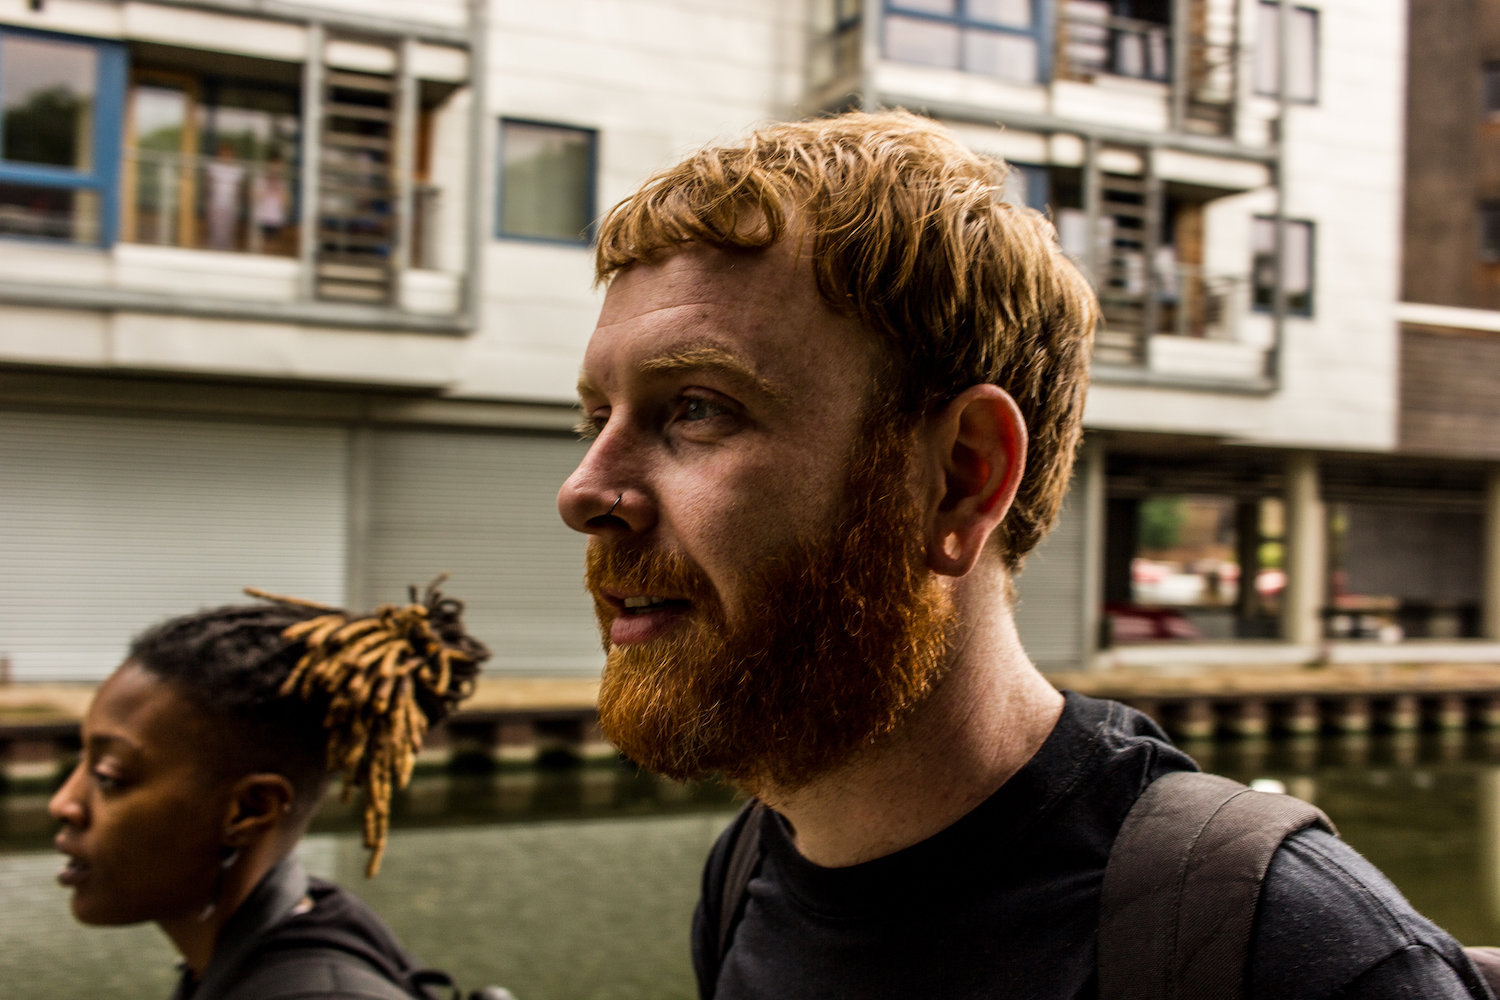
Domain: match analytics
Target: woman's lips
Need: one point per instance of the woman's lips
(73, 872)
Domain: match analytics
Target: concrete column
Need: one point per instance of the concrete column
(1304, 559)
(1490, 612)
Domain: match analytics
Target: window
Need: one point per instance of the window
(1000, 38)
(1491, 95)
(1297, 265)
(546, 181)
(833, 52)
(1489, 233)
(1027, 186)
(211, 162)
(59, 137)
(1302, 67)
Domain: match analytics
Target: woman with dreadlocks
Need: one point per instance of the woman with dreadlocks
(204, 757)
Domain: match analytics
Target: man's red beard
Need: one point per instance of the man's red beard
(838, 640)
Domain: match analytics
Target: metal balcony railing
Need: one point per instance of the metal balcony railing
(1092, 41)
(213, 203)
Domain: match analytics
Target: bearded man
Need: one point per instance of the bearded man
(834, 396)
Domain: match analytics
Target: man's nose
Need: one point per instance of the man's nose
(66, 805)
(605, 494)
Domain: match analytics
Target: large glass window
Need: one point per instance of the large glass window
(211, 162)
(1297, 266)
(59, 136)
(1118, 38)
(1000, 38)
(546, 181)
(1302, 66)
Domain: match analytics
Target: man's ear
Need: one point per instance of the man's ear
(258, 805)
(978, 448)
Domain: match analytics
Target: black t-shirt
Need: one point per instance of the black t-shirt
(1005, 902)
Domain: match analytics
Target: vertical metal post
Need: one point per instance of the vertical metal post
(406, 160)
(479, 219)
(1274, 357)
(312, 149)
(1181, 49)
(1490, 613)
(1093, 198)
(1091, 494)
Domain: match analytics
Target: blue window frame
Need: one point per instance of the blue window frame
(1009, 39)
(60, 120)
(547, 180)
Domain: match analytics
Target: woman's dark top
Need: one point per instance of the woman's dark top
(303, 937)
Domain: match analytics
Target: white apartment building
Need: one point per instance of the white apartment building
(293, 295)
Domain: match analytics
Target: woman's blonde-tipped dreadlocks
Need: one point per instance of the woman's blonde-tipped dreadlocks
(385, 675)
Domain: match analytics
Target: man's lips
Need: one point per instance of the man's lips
(642, 617)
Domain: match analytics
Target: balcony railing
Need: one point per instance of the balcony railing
(213, 203)
(1188, 304)
(1194, 304)
(1092, 41)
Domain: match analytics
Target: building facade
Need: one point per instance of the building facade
(293, 295)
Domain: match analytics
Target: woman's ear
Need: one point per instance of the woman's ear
(977, 444)
(259, 804)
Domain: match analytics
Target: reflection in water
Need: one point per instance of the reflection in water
(579, 885)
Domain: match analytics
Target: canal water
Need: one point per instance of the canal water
(579, 884)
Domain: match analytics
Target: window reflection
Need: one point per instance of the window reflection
(546, 181)
(47, 96)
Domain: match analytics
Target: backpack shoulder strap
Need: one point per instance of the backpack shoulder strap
(744, 859)
(1180, 890)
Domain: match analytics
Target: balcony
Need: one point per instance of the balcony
(293, 194)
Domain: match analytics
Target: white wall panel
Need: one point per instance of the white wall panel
(1051, 591)
(108, 525)
(482, 507)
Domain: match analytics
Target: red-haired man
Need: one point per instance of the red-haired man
(834, 396)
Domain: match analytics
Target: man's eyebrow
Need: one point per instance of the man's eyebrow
(714, 359)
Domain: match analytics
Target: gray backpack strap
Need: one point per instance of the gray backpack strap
(744, 859)
(1183, 880)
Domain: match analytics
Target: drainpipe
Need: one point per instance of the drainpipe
(312, 149)
(479, 219)
(1275, 357)
(1181, 49)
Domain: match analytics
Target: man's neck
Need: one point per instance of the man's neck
(988, 716)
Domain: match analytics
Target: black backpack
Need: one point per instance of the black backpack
(1177, 907)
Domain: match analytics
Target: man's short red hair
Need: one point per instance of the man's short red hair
(908, 231)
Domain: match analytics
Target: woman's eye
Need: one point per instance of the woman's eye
(106, 782)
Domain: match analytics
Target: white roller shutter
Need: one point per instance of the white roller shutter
(1049, 613)
(482, 507)
(108, 525)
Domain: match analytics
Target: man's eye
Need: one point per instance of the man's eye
(696, 408)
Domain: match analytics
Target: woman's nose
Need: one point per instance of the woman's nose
(66, 805)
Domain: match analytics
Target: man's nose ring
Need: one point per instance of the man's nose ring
(614, 505)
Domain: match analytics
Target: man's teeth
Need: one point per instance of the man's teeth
(634, 603)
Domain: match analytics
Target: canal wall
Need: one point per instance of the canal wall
(523, 721)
